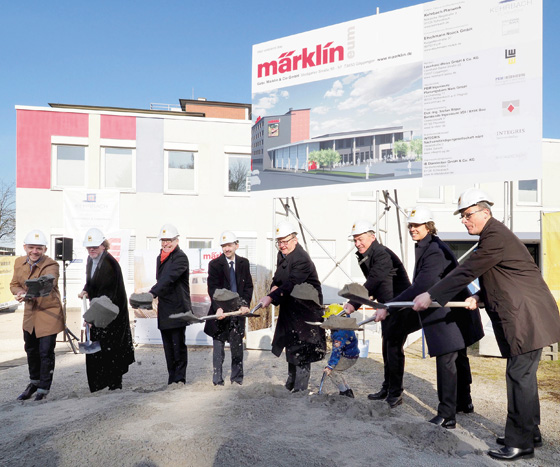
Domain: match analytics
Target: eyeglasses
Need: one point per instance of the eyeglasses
(468, 216)
(93, 247)
(284, 242)
(167, 240)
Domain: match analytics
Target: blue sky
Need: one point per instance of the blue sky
(133, 53)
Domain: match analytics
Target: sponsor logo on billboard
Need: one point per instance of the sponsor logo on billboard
(510, 26)
(513, 133)
(507, 5)
(306, 58)
(510, 56)
(91, 198)
(510, 107)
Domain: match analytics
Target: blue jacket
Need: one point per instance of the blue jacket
(344, 344)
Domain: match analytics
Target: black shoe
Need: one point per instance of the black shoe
(468, 408)
(221, 383)
(509, 454)
(348, 393)
(238, 382)
(41, 396)
(448, 423)
(29, 391)
(113, 387)
(537, 441)
(378, 396)
(394, 401)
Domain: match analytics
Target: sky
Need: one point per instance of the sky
(132, 53)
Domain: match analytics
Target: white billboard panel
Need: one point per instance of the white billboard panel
(429, 93)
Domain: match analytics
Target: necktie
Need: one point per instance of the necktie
(232, 281)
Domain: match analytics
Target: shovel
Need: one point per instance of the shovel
(191, 318)
(356, 294)
(89, 347)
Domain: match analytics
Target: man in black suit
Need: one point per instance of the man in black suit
(228, 271)
(523, 312)
(385, 277)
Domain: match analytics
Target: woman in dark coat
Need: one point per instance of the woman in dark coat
(173, 293)
(104, 277)
(304, 343)
(448, 331)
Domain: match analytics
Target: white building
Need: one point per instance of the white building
(182, 167)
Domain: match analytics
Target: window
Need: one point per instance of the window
(432, 194)
(119, 168)
(239, 171)
(69, 167)
(180, 175)
(528, 192)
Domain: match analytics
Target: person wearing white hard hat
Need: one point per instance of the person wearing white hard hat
(232, 272)
(173, 293)
(448, 331)
(521, 307)
(304, 343)
(43, 317)
(385, 277)
(104, 278)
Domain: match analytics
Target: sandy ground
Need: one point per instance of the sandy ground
(260, 423)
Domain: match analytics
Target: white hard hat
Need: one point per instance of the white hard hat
(470, 197)
(420, 215)
(35, 237)
(284, 228)
(361, 226)
(228, 237)
(168, 231)
(94, 237)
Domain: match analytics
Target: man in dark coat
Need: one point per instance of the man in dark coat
(173, 293)
(448, 331)
(385, 277)
(304, 343)
(524, 315)
(228, 271)
(104, 277)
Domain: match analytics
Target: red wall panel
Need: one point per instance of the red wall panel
(33, 145)
(116, 127)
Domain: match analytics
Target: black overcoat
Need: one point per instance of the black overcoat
(524, 313)
(172, 288)
(117, 352)
(446, 329)
(218, 278)
(386, 277)
(304, 343)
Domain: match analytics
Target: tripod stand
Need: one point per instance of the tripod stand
(72, 338)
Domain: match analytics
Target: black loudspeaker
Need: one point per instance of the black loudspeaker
(63, 248)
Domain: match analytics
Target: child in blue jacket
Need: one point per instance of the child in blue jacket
(345, 353)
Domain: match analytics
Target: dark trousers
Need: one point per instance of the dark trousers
(236, 348)
(392, 348)
(40, 358)
(175, 354)
(298, 377)
(453, 382)
(524, 413)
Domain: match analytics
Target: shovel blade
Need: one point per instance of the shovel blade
(89, 347)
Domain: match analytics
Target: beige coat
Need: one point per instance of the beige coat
(43, 314)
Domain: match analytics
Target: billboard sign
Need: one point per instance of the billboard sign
(427, 94)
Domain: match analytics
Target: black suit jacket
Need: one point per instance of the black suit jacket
(218, 278)
(172, 288)
(386, 277)
(524, 313)
(304, 343)
(446, 329)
